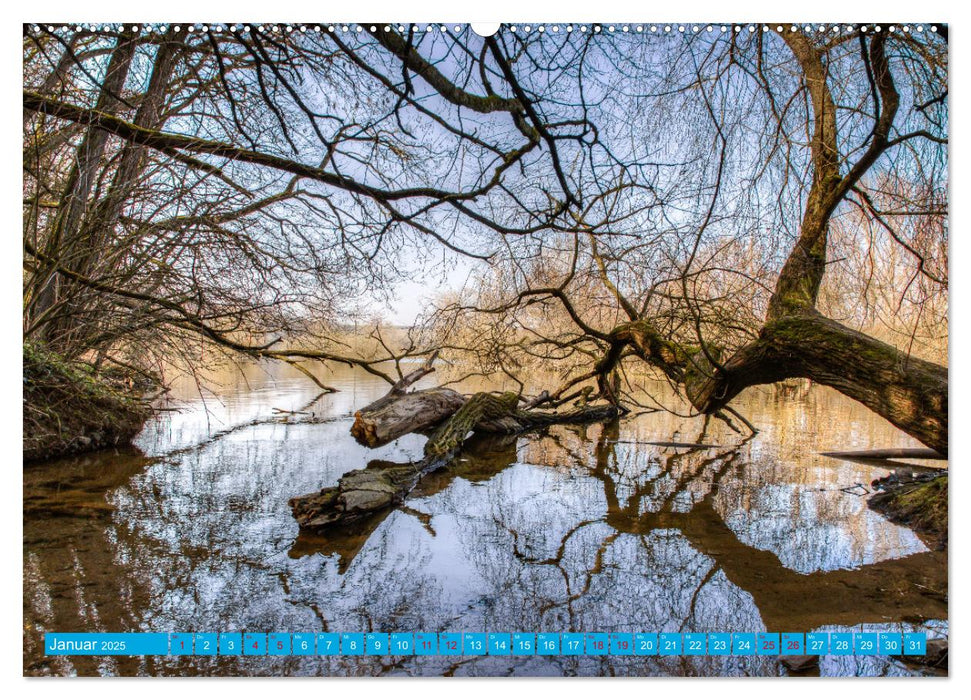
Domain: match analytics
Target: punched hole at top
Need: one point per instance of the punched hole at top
(485, 29)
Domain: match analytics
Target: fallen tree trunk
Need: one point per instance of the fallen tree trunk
(393, 416)
(398, 412)
(890, 453)
(363, 493)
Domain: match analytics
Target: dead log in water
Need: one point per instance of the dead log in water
(890, 453)
(400, 412)
(386, 420)
(361, 493)
(483, 456)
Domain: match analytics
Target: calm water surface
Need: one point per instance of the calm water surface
(573, 529)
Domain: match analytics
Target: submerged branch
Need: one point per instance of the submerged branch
(362, 493)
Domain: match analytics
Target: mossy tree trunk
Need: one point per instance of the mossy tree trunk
(796, 340)
(909, 392)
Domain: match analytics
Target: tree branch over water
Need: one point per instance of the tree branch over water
(718, 211)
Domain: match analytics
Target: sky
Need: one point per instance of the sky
(414, 296)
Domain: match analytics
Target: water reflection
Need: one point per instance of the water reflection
(586, 528)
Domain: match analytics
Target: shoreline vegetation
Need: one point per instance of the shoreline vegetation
(919, 504)
(69, 409)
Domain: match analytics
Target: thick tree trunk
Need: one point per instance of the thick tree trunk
(909, 392)
(84, 238)
(81, 181)
(796, 340)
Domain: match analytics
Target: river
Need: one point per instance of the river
(589, 529)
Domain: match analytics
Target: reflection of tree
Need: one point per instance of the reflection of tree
(624, 515)
(888, 590)
(611, 535)
(675, 500)
(175, 556)
(679, 498)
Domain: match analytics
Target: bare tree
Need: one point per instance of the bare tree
(666, 200)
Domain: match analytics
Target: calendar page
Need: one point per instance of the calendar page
(514, 349)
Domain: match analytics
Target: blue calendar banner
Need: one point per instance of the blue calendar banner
(524, 643)
(743, 644)
(767, 643)
(890, 643)
(548, 644)
(328, 644)
(352, 643)
(915, 644)
(695, 644)
(719, 644)
(669, 644)
(865, 643)
(841, 644)
(230, 644)
(817, 643)
(596, 643)
(106, 644)
(376, 644)
(254, 644)
(793, 644)
(278, 644)
(303, 644)
(426, 644)
(645, 644)
(402, 643)
(571, 644)
(206, 644)
(621, 644)
(500, 644)
(862, 643)
(180, 644)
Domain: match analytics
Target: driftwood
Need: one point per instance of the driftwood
(395, 415)
(362, 493)
(892, 453)
(399, 412)
(483, 456)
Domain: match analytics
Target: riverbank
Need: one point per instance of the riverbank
(69, 410)
(920, 504)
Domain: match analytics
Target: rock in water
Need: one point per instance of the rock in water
(799, 664)
(936, 653)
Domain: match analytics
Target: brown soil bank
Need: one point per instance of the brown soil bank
(920, 505)
(68, 409)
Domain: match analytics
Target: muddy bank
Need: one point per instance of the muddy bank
(69, 410)
(919, 503)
